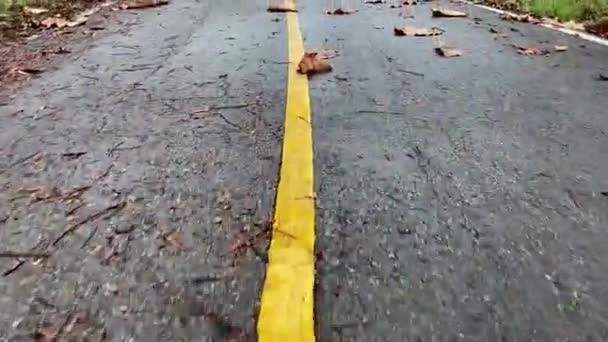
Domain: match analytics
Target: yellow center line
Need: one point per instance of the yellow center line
(286, 313)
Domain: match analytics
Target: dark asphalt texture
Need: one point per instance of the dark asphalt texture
(153, 102)
(461, 199)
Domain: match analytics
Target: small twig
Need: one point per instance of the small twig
(24, 159)
(105, 173)
(14, 268)
(379, 112)
(10, 254)
(89, 238)
(111, 209)
(228, 121)
(411, 72)
(241, 105)
(110, 151)
(73, 210)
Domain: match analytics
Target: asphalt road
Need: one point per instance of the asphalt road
(460, 199)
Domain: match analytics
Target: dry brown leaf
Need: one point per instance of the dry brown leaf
(46, 333)
(327, 54)
(34, 10)
(282, 6)
(55, 22)
(136, 4)
(340, 11)
(411, 31)
(447, 13)
(311, 64)
(531, 51)
(524, 18)
(599, 27)
(448, 51)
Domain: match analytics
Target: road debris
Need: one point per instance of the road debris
(137, 4)
(560, 48)
(602, 77)
(375, 2)
(171, 242)
(281, 6)
(340, 11)
(34, 10)
(327, 53)
(446, 13)
(411, 31)
(311, 64)
(448, 51)
(107, 212)
(599, 27)
(523, 18)
(530, 51)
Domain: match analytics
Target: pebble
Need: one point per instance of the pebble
(217, 220)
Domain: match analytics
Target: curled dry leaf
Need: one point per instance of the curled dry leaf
(523, 18)
(327, 54)
(531, 51)
(411, 31)
(446, 13)
(34, 10)
(340, 11)
(312, 64)
(599, 27)
(136, 4)
(448, 51)
(282, 6)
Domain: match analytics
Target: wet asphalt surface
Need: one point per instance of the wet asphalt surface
(461, 199)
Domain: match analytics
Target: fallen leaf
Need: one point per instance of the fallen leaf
(81, 19)
(523, 18)
(447, 13)
(448, 51)
(312, 64)
(327, 54)
(282, 6)
(46, 333)
(561, 48)
(599, 27)
(411, 31)
(34, 10)
(340, 11)
(54, 22)
(531, 51)
(136, 4)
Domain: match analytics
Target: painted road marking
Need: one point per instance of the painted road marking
(286, 313)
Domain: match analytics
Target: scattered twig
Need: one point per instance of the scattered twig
(14, 268)
(109, 210)
(379, 112)
(105, 173)
(10, 254)
(411, 72)
(73, 210)
(89, 238)
(228, 121)
(73, 155)
(24, 159)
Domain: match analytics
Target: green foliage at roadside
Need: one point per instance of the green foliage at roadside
(565, 10)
